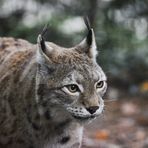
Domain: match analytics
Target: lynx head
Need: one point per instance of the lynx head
(70, 78)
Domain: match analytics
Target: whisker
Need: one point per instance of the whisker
(110, 100)
(106, 109)
(103, 115)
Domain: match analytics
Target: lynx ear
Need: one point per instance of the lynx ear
(44, 56)
(88, 45)
(44, 51)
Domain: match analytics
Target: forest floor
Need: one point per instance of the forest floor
(124, 124)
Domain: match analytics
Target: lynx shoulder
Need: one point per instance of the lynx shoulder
(48, 93)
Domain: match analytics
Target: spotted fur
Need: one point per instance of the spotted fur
(37, 110)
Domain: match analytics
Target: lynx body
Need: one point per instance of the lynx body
(48, 92)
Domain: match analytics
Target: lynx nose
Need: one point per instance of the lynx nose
(92, 109)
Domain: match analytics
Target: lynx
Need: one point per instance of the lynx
(48, 93)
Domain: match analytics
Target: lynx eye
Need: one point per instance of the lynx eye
(73, 88)
(99, 84)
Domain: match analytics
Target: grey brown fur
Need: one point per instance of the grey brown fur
(37, 109)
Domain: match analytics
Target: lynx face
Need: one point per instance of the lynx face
(70, 78)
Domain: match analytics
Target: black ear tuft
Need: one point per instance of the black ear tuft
(87, 22)
(88, 44)
(45, 29)
(89, 35)
(89, 38)
(42, 41)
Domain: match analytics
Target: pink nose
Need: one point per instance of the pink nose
(92, 109)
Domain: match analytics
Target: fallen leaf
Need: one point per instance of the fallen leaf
(102, 134)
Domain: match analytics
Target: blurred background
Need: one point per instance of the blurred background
(121, 29)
